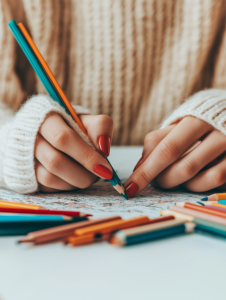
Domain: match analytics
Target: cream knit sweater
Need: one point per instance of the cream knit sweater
(134, 60)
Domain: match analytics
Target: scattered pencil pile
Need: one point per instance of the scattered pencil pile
(40, 225)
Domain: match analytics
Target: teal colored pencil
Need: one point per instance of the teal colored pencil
(115, 181)
(26, 218)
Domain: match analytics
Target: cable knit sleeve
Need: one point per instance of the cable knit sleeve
(18, 135)
(208, 105)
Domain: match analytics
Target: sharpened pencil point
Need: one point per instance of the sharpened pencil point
(200, 203)
(204, 199)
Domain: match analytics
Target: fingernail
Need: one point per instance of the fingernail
(138, 163)
(131, 189)
(103, 171)
(104, 144)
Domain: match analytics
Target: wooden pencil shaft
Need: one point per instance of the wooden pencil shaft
(216, 208)
(41, 211)
(205, 209)
(177, 228)
(151, 227)
(198, 221)
(112, 226)
(18, 204)
(63, 231)
(51, 77)
(198, 214)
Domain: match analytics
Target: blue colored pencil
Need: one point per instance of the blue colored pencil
(115, 181)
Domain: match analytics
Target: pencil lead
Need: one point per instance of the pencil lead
(204, 199)
(200, 203)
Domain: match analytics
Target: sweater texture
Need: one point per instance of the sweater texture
(137, 61)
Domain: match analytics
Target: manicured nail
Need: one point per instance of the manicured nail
(104, 144)
(131, 189)
(139, 162)
(103, 171)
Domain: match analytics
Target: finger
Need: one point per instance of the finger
(151, 140)
(46, 189)
(61, 165)
(50, 180)
(63, 138)
(168, 150)
(100, 131)
(208, 179)
(188, 166)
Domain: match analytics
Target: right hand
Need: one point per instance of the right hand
(64, 161)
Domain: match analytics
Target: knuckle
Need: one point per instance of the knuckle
(218, 177)
(85, 183)
(53, 161)
(46, 178)
(88, 157)
(151, 137)
(60, 138)
(105, 120)
(144, 175)
(169, 151)
(188, 168)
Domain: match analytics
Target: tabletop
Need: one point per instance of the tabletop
(175, 268)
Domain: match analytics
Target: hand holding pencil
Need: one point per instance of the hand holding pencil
(53, 167)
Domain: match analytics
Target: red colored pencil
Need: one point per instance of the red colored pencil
(43, 212)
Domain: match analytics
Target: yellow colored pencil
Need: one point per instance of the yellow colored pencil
(19, 205)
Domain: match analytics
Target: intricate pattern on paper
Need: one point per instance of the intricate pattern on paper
(101, 199)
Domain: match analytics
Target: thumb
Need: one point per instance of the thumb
(100, 131)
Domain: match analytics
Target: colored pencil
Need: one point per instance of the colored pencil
(202, 209)
(198, 214)
(22, 228)
(213, 204)
(202, 225)
(20, 205)
(151, 232)
(29, 218)
(87, 239)
(215, 197)
(51, 85)
(60, 232)
(43, 212)
(111, 226)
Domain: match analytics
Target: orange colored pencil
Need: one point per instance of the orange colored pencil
(60, 232)
(52, 78)
(19, 205)
(86, 239)
(202, 209)
(112, 226)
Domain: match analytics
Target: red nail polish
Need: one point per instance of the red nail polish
(103, 171)
(138, 163)
(131, 189)
(104, 144)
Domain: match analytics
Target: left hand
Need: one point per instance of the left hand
(200, 170)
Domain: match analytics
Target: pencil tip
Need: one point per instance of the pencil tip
(204, 198)
(200, 203)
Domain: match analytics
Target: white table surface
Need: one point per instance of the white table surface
(182, 267)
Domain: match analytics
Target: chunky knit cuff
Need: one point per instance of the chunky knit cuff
(208, 105)
(18, 137)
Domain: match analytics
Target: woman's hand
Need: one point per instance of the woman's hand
(65, 161)
(204, 168)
